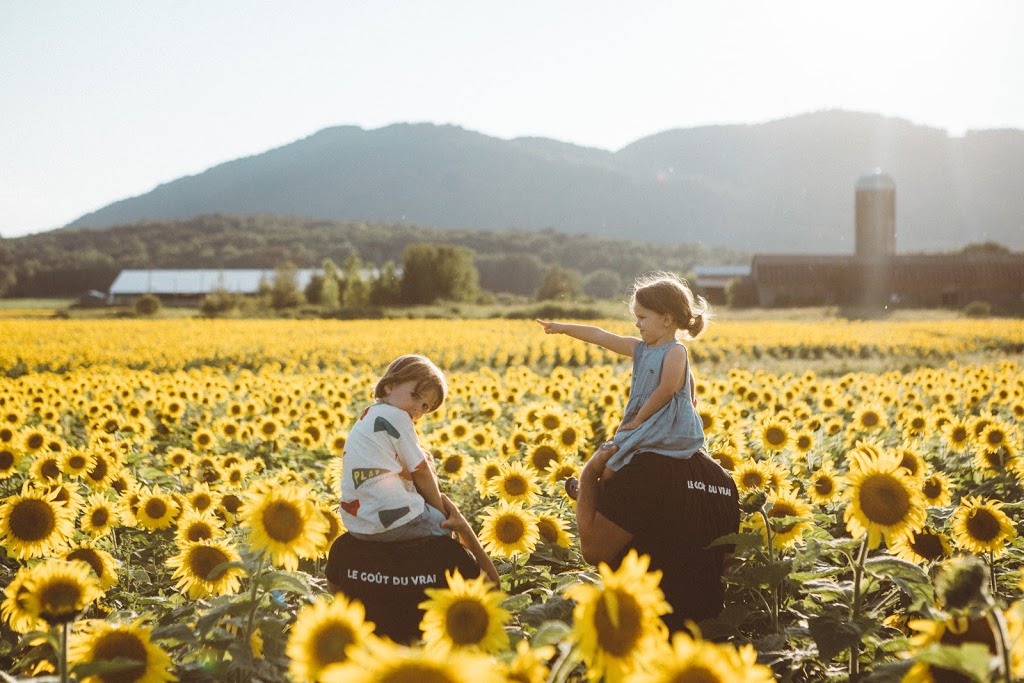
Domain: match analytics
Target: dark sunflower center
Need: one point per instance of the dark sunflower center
(155, 508)
(823, 486)
(619, 635)
(6, 460)
(803, 442)
(200, 531)
(90, 557)
(870, 419)
(50, 469)
(201, 501)
(453, 464)
(99, 517)
(780, 510)
(99, 470)
(417, 672)
(282, 521)
(753, 480)
(548, 530)
(569, 437)
(928, 546)
(330, 641)
(231, 503)
(516, 486)
(466, 622)
(35, 441)
(509, 529)
(983, 526)
(543, 456)
(59, 600)
(696, 673)
(884, 500)
(119, 644)
(776, 436)
(932, 489)
(32, 520)
(203, 559)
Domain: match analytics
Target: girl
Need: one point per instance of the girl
(389, 490)
(660, 416)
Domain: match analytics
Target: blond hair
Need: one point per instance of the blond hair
(668, 293)
(413, 367)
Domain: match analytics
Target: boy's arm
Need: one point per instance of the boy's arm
(426, 483)
(460, 525)
(592, 335)
(673, 369)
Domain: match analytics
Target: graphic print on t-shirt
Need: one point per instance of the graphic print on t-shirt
(389, 517)
(382, 425)
(361, 475)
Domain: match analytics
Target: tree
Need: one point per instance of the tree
(330, 290)
(386, 289)
(147, 304)
(513, 273)
(355, 291)
(603, 284)
(559, 283)
(430, 273)
(284, 292)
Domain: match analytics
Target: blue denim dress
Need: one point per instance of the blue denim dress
(675, 430)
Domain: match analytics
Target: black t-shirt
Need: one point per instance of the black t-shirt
(675, 508)
(390, 578)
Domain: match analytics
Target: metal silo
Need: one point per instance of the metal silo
(875, 211)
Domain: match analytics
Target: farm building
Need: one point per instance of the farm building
(185, 287)
(711, 282)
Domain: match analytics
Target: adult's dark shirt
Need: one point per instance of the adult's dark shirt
(674, 508)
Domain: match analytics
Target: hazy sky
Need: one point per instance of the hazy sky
(105, 99)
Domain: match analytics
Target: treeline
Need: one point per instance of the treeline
(69, 262)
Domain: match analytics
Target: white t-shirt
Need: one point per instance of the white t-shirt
(381, 452)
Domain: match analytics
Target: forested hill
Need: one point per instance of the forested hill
(785, 185)
(69, 261)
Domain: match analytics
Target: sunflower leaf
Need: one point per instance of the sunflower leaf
(550, 633)
(284, 581)
(909, 577)
(741, 541)
(971, 659)
(833, 635)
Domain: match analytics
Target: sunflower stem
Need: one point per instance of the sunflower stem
(992, 573)
(62, 653)
(256, 576)
(858, 572)
(771, 558)
(563, 666)
(997, 622)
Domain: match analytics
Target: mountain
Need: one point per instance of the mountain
(780, 186)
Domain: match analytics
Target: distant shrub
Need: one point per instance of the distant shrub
(977, 309)
(147, 304)
(555, 311)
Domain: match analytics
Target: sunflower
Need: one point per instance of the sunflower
(954, 631)
(45, 467)
(104, 470)
(509, 529)
(453, 466)
(99, 642)
(193, 526)
(284, 521)
(202, 498)
(34, 524)
(385, 662)
(980, 526)
(486, 470)
(554, 530)
(936, 490)
(786, 505)
(178, 459)
(324, 633)
(752, 475)
(883, 501)
(690, 659)
(529, 665)
(155, 509)
(195, 568)
(465, 615)
(804, 441)
(516, 483)
(56, 590)
(74, 463)
(922, 547)
(9, 460)
(102, 563)
(14, 609)
(541, 455)
(334, 526)
(956, 434)
(617, 623)
(870, 418)
(99, 516)
(33, 440)
(773, 435)
(824, 486)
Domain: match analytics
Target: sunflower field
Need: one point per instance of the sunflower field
(170, 490)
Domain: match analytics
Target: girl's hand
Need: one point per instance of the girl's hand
(551, 327)
(627, 426)
(455, 521)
